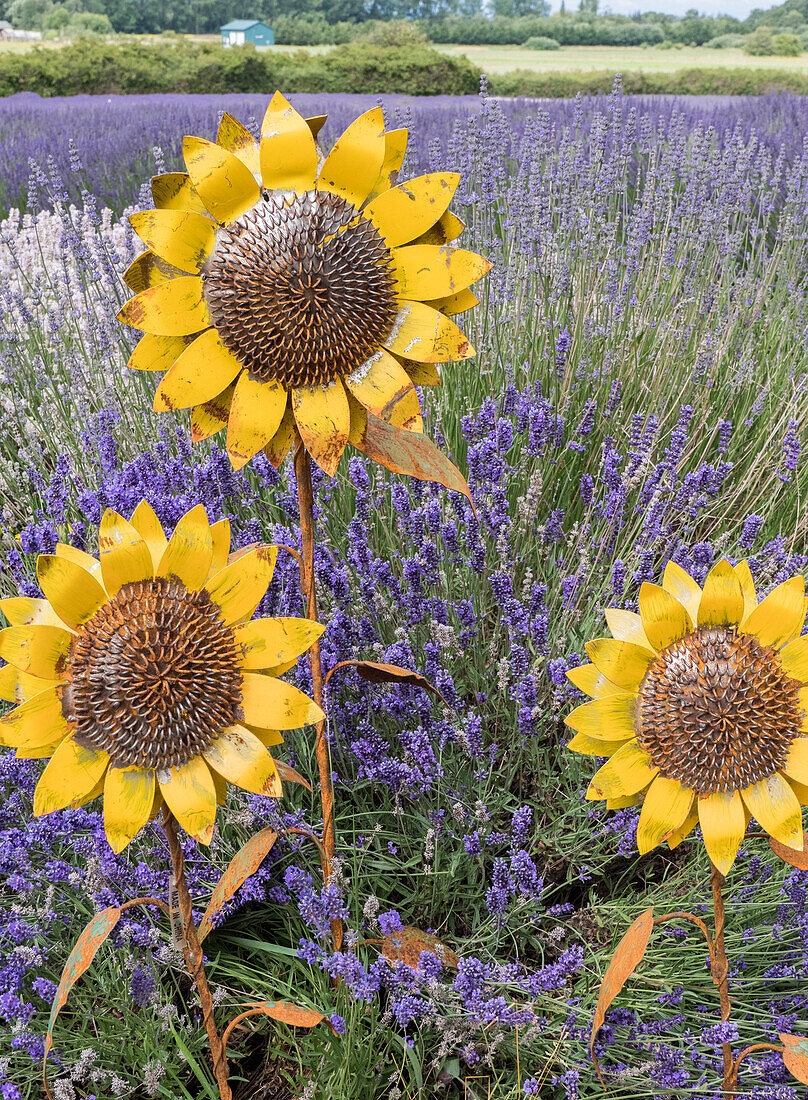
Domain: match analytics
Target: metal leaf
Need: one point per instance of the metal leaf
(377, 673)
(289, 774)
(795, 1056)
(624, 962)
(244, 863)
(410, 453)
(791, 855)
(406, 946)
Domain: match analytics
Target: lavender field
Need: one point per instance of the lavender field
(637, 395)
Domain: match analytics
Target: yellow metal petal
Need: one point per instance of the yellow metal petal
(38, 721)
(352, 167)
(19, 687)
(385, 388)
(203, 370)
(591, 682)
(184, 240)
(594, 746)
(685, 829)
(744, 574)
(174, 191)
(667, 805)
(267, 737)
(395, 147)
(128, 801)
(800, 790)
(147, 270)
(278, 447)
(452, 304)
(236, 138)
(405, 212)
(238, 756)
(780, 616)
(70, 776)
(240, 586)
(26, 611)
(220, 783)
(774, 805)
(664, 619)
(623, 803)
(209, 418)
(177, 308)
(723, 824)
(73, 593)
(125, 555)
(796, 765)
(425, 335)
(158, 352)
(79, 557)
(423, 271)
(189, 552)
(794, 659)
(721, 601)
(681, 585)
(190, 794)
(612, 718)
(626, 626)
(422, 374)
(627, 772)
(446, 229)
(220, 534)
(222, 180)
(323, 420)
(271, 703)
(315, 123)
(145, 522)
(40, 650)
(44, 752)
(288, 154)
(624, 663)
(266, 643)
(255, 416)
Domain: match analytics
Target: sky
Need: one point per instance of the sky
(739, 8)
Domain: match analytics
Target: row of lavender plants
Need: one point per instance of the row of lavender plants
(636, 396)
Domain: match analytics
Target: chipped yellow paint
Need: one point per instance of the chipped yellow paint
(315, 123)
(269, 643)
(240, 758)
(452, 304)
(147, 270)
(190, 794)
(288, 154)
(353, 165)
(273, 704)
(125, 555)
(37, 721)
(73, 593)
(71, 775)
(189, 552)
(203, 370)
(323, 420)
(237, 139)
(446, 229)
(26, 611)
(427, 336)
(158, 352)
(240, 586)
(177, 308)
(209, 418)
(128, 799)
(184, 240)
(145, 522)
(255, 416)
(278, 447)
(395, 146)
(425, 272)
(405, 212)
(224, 183)
(387, 391)
(422, 374)
(174, 191)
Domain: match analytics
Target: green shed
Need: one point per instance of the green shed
(240, 31)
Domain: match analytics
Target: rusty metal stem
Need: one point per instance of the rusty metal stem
(305, 500)
(194, 958)
(720, 968)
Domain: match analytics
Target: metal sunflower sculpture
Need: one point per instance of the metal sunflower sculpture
(143, 677)
(290, 294)
(699, 706)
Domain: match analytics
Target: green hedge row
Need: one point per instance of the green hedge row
(740, 81)
(137, 68)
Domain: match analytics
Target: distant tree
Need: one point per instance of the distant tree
(515, 8)
(28, 15)
(56, 19)
(588, 7)
(760, 43)
(786, 45)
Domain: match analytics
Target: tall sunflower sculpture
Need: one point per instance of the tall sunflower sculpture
(143, 679)
(296, 299)
(699, 706)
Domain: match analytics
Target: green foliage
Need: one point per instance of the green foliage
(136, 68)
(726, 42)
(760, 43)
(568, 30)
(787, 45)
(397, 32)
(701, 81)
(539, 42)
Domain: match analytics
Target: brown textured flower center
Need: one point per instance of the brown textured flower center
(153, 676)
(717, 712)
(300, 288)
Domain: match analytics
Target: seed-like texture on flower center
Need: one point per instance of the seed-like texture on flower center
(717, 712)
(153, 676)
(300, 288)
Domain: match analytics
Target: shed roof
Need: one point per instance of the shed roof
(242, 24)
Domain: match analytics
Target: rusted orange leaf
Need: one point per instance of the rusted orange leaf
(795, 1056)
(291, 776)
(791, 855)
(624, 962)
(244, 863)
(287, 1013)
(388, 674)
(79, 960)
(406, 946)
(410, 453)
